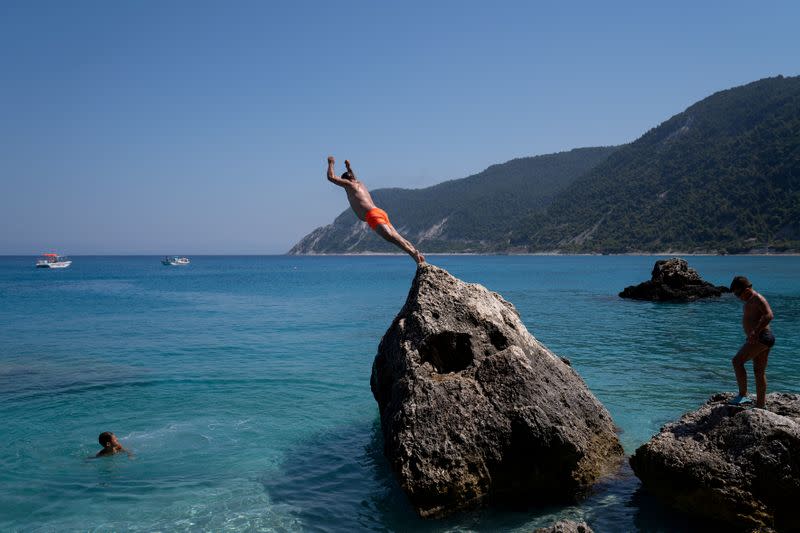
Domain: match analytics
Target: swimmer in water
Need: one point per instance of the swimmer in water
(110, 444)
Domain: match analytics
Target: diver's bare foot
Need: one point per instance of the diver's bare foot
(419, 258)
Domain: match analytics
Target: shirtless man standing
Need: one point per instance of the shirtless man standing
(756, 318)
(365, 209)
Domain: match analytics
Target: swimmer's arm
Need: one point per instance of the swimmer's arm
(350, 170)
(332, 177)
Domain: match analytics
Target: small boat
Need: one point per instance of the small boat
(53, 261)
(175, 261)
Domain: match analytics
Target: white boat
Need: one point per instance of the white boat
(175, 261)
(53, 261)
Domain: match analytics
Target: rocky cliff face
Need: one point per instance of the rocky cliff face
(737, 466)
(473, 408)
(673, 280)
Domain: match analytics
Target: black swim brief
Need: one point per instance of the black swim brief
(767, 338)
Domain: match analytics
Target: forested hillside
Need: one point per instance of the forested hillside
(722, 176)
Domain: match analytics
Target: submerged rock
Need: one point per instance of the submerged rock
(566, 526)
(672, 279)
(734, 465)
(473, 408)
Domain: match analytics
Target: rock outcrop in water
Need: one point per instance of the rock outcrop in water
(474, 409)
(673, 280)
(734, 465)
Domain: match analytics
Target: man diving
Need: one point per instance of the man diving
(366, 210)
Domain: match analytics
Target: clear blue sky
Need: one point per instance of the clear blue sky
(203, 127)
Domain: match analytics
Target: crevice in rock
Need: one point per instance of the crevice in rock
(497, 338)
(448, 351)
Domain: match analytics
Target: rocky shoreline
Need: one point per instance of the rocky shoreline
(733, 465)
(475, 411)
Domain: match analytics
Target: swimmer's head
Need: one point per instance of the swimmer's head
(107, 440)
(347, 176)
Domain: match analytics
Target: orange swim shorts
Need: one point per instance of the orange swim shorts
(377, 216)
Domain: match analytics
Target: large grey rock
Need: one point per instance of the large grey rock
(738, 466)
(566, 526)
(673, 280)
(474, 408)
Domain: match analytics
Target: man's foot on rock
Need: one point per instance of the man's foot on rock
(740, 400)
(419, 258)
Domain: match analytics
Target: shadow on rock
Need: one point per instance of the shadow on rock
(652, 516)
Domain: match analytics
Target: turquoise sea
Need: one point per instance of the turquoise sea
(242, 384)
